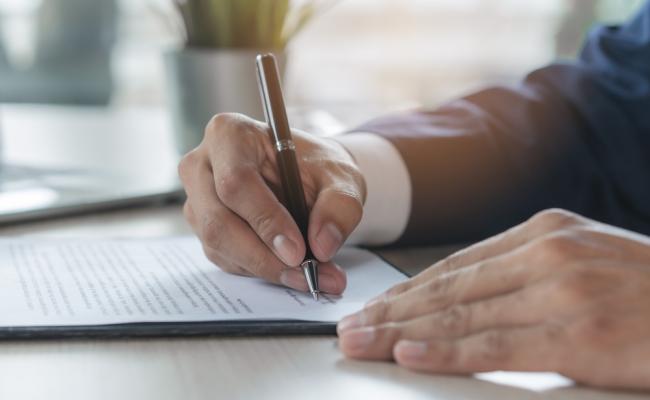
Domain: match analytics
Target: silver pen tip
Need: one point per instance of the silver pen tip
(310, 269)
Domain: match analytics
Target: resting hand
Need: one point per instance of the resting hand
(232, 203)
(557, 293)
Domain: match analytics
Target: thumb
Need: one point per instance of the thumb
(336, 212)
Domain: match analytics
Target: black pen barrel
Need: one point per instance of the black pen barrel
(294, 195)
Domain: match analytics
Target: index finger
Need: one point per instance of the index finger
(243, 190)
(223, 231)
(540, 224)
(236, 160)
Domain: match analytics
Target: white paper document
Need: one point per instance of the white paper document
(46, 282)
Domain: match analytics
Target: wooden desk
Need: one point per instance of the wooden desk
(229, 368)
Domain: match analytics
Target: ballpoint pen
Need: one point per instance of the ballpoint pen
(285, 150)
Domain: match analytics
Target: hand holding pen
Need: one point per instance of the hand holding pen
(285, 154)
(234, 202)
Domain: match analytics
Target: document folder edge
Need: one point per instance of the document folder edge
(170, 329)
(176, 329)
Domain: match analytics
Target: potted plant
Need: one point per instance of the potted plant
(214, 71)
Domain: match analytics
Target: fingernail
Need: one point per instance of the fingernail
(329, 240)
(293, 278)
(286, 249)
(328, 284)
(347, 323)
(410, 350)
(358, 339)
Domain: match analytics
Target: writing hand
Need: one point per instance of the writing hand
(232, 202)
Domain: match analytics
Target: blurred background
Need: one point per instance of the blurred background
(376, 53)
(100, 98)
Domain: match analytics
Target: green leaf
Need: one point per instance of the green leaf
(261, 24)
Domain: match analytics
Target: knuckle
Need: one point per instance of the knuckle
(452, 262)
(224, 128)
(389, 332)
(214, 257)
(397, 290)
(188, 164)
(264, 225)
(455, 320)
(212, 233)
(378, 313)
(228, 125)
(218, 122)
(439, 289)
(558, 248)
(256, 266)
(353, 174)
(259, 266)
(231, 181)
(496, 347)
(595, 329)
(436, 286)
(351, 201)
(360, 182)
(555, 219)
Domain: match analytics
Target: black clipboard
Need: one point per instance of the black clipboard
(238, 328)
(170, 329)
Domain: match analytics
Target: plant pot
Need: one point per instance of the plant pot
(205, 82)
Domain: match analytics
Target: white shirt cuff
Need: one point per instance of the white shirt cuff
(388, 201)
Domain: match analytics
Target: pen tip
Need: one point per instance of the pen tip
(310, 268)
